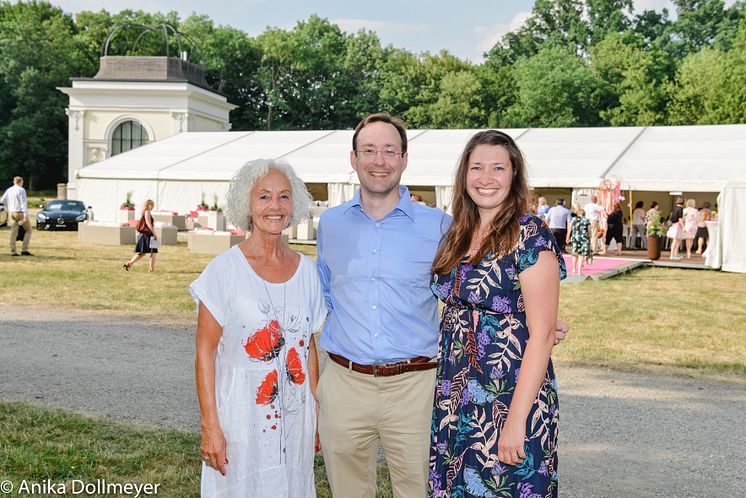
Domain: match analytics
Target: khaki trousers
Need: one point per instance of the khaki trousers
(14, 220)
(356, 410)
(594, 235)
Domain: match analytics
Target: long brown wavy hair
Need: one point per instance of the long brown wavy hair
(503, 234)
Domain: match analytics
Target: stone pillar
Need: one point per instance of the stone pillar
(75, 146)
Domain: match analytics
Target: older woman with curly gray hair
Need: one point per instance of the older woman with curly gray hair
(256, 363)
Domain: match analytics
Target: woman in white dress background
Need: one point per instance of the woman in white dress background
(256, 363)
(689, 216)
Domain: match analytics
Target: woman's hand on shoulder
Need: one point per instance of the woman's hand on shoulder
(212, 449)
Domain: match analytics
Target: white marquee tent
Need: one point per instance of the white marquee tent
(179, 171)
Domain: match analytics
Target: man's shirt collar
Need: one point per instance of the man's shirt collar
(404, 205)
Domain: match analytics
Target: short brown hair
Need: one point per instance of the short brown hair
(383, 117)
(17, 180)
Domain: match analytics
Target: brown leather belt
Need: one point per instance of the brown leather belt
(415, 364)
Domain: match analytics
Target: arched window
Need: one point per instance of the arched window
(127, 136)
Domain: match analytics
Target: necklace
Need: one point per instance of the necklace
(284, 294)
(477, 242)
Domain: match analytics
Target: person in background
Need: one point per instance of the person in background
(594, 212)
(498, 271)
(418, 199)
(558, 218)
(690, 215)
(638, 226)
(542, 208)
(654, 208)
(702, 234)
(615, 229)
(145, 231)
(676, 230)
(16, 203)
(579, 240)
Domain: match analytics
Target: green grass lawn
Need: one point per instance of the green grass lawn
(42, 443)
(686, 322)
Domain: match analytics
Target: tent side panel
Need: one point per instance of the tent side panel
(732, 212)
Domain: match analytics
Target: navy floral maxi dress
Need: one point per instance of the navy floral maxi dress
(483, 334)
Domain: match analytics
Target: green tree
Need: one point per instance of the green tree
(362, 64)
(629, 89)
(401, 77)
(554, 90)
(710, 86)
(433, 69)
(606, 17)
(552, 22)
(702, 23)
(304, 76)
(37, 54)
(232, 62)
(458, 102)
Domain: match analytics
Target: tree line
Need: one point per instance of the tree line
(572, 63)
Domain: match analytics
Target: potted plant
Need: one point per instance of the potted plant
(655, 234)
(127, 204)
(215, 206)
(202, 206)
(127, 209)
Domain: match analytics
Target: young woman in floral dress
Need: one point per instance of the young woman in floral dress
(494, 430)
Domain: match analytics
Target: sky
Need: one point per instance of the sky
(466, 29)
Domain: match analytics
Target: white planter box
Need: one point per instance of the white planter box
(177, 220)
(106, 234)
(126, 215)
(216, 220)
(212, 243)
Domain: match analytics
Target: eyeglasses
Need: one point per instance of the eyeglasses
(370, 152)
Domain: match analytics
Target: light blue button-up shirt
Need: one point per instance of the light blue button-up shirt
(375, 275)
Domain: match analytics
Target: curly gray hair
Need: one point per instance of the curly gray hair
(237, 205)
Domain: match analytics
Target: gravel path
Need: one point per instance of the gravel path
(621, 434)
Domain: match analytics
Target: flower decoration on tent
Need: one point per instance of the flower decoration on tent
(608, 192)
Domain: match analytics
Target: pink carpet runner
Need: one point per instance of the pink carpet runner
(600, 264)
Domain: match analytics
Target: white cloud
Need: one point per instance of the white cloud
(381, 28)
(489, 35)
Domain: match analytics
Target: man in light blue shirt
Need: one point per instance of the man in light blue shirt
(374, 260)
(560, 223)
(375, 276)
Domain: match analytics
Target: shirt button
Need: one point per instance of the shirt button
(374, 251)
(372, 279)
(378, 225)
(375, 335)
(374, 306)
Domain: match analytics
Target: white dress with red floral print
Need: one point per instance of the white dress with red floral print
(264, 401)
